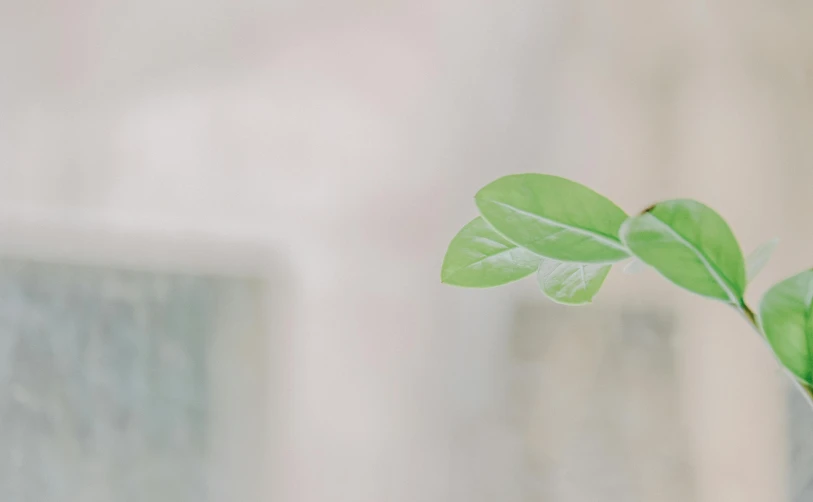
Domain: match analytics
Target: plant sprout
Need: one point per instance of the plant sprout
(571, 236)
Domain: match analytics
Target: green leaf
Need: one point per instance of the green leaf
(785, 315)
(691, 245)
(758, 258)
(479, 257)
(554, 217)
(571, 283)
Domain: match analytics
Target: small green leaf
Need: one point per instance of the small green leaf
(479, 257)
(554, 217)
(691, 245)
(785, 315)
(758, 258)
(571, 283)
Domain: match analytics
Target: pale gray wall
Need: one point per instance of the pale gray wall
(350, 137)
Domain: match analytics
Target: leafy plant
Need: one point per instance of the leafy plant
(571, 236)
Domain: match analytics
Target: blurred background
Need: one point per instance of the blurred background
(222, 223)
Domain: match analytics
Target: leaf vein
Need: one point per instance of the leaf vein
(718, 276)
(604, 239)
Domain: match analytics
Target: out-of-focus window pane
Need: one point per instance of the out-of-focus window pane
(105, 391)
(801, 447)
(597, 399)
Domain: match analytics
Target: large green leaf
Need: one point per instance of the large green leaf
(479, 257)
(758, 258)
(785, 313)
(554, 217)
(571, 283)
(691, 245)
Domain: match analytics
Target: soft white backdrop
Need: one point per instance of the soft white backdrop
(349, 136)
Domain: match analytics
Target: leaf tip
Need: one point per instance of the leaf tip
(649, 209)
(444, 276)
(444, 271)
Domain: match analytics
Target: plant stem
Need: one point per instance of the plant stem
(751, 318)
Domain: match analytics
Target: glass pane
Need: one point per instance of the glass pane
(597, 399)
(801, 447)
(103, 383)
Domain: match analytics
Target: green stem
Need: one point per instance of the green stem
(751, 318)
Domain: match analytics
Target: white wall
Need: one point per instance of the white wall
(349, 137)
